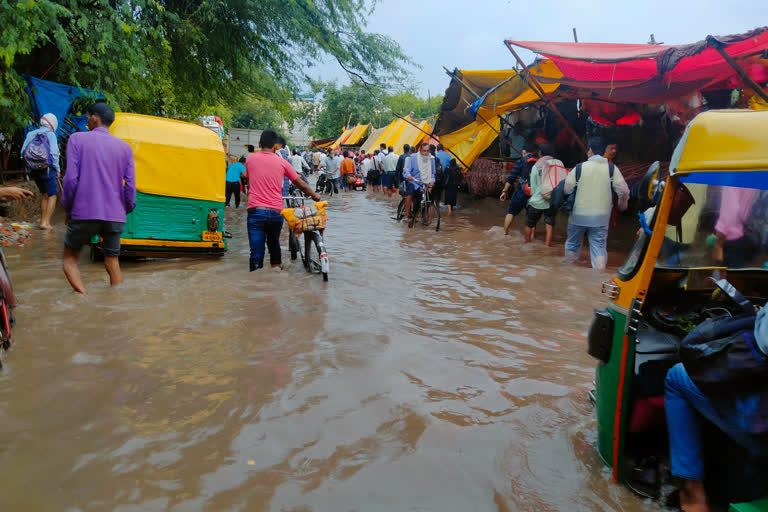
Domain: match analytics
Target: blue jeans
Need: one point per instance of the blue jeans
(264, 226)
(598, 243)
(686, 406)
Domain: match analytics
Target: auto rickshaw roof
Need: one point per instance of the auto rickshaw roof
(723, 141)
(173, 158)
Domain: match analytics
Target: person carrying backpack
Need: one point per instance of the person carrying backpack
(517, 184)
(538, 204)
(40, 154)
(593, 184)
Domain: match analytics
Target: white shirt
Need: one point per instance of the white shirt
(390, 162)
(298, 163)
(335, 166)
(366, 166)
(593, 203)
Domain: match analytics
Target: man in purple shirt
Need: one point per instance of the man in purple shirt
(98, 190)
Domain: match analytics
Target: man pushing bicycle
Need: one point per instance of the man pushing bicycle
(419, 172)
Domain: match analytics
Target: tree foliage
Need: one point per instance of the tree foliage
(177, 57)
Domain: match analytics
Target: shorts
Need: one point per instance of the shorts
(411, 189)
(518, 201)
(48, 184)
(385, 179)
(80, 233)
(534, 214)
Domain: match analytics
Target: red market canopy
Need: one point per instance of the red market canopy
(648, 73)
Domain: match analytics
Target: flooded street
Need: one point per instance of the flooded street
(434, 372)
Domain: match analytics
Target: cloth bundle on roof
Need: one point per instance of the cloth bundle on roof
(644, 73)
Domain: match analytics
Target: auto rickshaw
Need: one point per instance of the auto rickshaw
(180, 188)
(669, 283)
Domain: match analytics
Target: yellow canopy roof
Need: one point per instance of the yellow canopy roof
(350, 137)
(501, 91)
(337, 143)
(173, 158)
(397, 134)
(358, 132)
(469, 142)
(372, 138)
(723, 140)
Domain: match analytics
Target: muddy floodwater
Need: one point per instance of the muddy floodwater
(433, 372)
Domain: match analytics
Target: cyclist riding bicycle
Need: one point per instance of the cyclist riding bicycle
(419, 172)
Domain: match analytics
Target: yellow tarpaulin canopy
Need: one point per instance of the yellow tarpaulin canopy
(337, 143)
(515, 92)
(173, 158)
(397, 134)
(469, 142)
(350, 137)
(501, 91)
(373, 137)
(358, 132)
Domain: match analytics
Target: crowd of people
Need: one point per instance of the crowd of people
(384, 170)
(540, 185)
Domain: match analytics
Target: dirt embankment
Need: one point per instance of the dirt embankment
(19, 218)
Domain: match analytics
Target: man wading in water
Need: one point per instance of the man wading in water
(99, 189)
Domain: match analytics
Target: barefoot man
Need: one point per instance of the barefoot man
(99, 189)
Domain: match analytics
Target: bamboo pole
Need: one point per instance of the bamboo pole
(720, 48)
(534, 84)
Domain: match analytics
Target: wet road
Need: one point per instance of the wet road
(434, 372)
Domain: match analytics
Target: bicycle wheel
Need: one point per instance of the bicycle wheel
(321, 253)
(307, 255)
(400, 210)
(293, 245)
(430, 214)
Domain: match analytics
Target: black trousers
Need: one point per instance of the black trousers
(233, 188)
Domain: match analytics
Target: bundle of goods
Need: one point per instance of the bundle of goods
(486, 177)
(306, 218)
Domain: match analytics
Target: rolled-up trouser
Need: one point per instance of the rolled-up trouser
(598, 244)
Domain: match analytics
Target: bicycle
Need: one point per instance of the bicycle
(313, 260)
(429, 212)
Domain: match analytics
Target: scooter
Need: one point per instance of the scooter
(7, 303)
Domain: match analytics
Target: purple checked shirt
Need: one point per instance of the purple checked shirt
(100, 183)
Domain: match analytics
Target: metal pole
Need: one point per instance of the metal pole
(461, 83)
(575, 37)
(720, 48)
(430, 135)
(536, 86)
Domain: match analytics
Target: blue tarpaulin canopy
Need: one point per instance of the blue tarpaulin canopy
(51, 97)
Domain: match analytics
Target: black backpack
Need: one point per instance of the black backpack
(560, 201)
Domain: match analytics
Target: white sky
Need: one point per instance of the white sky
(470, 34)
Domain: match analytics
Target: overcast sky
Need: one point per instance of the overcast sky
(470, 34)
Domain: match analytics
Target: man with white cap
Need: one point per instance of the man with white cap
(40, 153)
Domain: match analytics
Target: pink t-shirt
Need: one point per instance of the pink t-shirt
(265, 173)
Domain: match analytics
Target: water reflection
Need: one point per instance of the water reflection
(435, 371)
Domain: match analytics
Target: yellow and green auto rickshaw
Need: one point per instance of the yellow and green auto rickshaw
(180, 185)
(670, 282)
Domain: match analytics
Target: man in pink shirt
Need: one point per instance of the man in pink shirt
(265, 171)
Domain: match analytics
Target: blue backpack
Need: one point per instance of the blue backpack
(37, 155)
